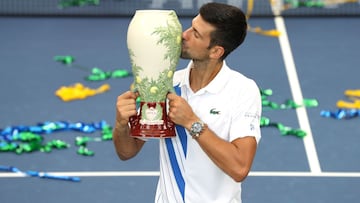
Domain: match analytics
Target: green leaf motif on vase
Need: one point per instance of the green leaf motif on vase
(156, 89)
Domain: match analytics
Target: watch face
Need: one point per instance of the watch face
(197, 127)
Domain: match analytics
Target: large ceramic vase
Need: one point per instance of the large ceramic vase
(154, 44)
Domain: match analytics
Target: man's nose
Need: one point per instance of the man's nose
(185, 34)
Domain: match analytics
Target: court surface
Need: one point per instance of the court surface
(314, 58)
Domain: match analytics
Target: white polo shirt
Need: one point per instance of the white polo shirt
(231, 107)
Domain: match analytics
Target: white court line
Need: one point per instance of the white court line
(297, 96)
(305, 174)
(156, 173)
(89, 174)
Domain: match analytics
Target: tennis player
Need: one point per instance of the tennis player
(216, 109)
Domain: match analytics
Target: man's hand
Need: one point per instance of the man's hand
(125, 107)
(125, 145)
(180, 111)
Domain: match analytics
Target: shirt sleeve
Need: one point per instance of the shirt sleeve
(247, 113)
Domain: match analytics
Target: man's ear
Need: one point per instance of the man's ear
(217, 52)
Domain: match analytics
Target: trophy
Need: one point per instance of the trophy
(154, 44)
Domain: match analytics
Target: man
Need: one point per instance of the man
(219, 108)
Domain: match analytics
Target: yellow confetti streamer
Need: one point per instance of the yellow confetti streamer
(332, 2)
(270, 33)
(79, 91)
(258, 30)
(348, 105)
(352, 93)
(282, 5)
(354, 96)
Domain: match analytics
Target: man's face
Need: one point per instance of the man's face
(196, 40)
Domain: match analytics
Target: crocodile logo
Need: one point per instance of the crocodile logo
(214, 111)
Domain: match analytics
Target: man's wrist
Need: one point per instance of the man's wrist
(121, 128)
(121, 124)
(197, 128)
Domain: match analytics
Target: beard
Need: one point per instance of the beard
(198, 55)
(185, 55)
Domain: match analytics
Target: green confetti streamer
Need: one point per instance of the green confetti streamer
(288, 104)
(106, 133)
(26, 139)
(76, 3)
(67, 60)
(98, 74)
(305, 3)
(85, 151)
(284, 130)
(57, 144)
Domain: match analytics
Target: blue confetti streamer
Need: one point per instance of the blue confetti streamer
(38, 174)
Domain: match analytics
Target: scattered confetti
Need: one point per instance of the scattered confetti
(66, 60)
(38, 174)
(284, 130)
(346, 109)
(76, 3)
(26, 139)
(288, 104)
(79, 91)
(353, 96)
(341, 114)
(97, 74)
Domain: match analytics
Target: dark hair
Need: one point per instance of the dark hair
(230, 24)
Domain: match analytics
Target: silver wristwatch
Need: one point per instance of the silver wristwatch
(197, 128)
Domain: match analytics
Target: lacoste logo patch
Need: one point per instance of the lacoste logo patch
(214, 111)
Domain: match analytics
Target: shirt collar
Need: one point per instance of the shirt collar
(216, 85)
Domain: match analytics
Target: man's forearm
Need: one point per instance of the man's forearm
(125, 145)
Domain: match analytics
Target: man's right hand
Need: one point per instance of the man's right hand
(126, 107)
